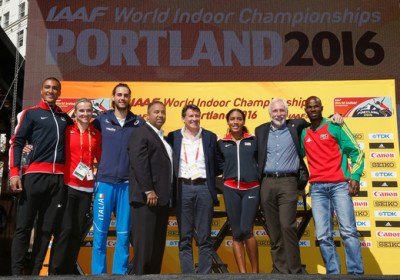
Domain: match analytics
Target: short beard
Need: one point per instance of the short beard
(278, 123)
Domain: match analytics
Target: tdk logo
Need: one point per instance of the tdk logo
(363, 184)
(172, 243)
(381, 136)
(363, 223)
(388, 214)
(384, 174)
(304, 243)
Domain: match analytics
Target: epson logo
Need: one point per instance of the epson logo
(385, 194)
(384, 174)
(361, 213)
(380, 136)
(388, 214)
(384, 184)
(390, 164)
(382, 155)
(388, 244)
(359, 136)
(388, 234)
(360, 203)
(366, 244)
(391, 204)
(363, 223)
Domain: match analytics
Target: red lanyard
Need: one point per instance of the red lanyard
(197, 151)
(90, 145)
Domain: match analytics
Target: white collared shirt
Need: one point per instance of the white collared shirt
(192, 153)
(160, 133)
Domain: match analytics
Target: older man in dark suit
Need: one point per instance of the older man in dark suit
(150, 186)
(195, 158)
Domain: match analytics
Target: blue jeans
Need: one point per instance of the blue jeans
(327, 198)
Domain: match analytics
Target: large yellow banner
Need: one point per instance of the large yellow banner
(368, 108)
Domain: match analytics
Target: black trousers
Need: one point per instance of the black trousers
(42, 197)
(68, 237)
(149, 230)
(279, 202)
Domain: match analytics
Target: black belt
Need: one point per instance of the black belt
(198, 181)
(280, 174)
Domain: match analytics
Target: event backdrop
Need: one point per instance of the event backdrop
(225, 54)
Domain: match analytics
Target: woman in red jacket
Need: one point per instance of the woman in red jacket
(82, 146)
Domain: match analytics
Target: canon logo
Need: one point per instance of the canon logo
(360, 203)
(391, 234)
(172, 223)
(390, 155)
(260, 232)
(385, 194)
(111, 243)
(380, 203)
(366, 244)
(363, 223)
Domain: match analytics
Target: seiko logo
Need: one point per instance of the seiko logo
(172, 233)
(385, 194)
(388, 234)
(363, 223)
(381, 145)
(381, 136)
(384, 174)
(382, 155)
(361, 213)
(389, 214)
(384, 184)
(359, 136)
(388, 244)
(366, 243)
(391, 204)
(389, 164)
(263, 243)
(360, 203)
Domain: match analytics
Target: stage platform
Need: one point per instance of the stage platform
(228, 276)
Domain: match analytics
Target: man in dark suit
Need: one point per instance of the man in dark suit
(150, 186)
(279, 161)
(195, 165)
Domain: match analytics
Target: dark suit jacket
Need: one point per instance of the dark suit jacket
(150, 166)
(295, 127)
(209, 141)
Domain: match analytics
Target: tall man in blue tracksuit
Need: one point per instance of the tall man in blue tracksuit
(40, 188)
(111, 190)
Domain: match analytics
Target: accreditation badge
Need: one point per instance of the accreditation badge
(81, 171)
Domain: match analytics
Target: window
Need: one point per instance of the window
(1, 3)
(6, 19)
(22, 10)
(20, 38)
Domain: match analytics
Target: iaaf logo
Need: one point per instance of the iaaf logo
(111, 243)
(385, 194)
(260, 232)
(380, 136)
(172, 223)
(366, 243)
(304, 243)
(363, 223)
(388, 234)
(384, 174)
(172, 243)
(388, 214)
(382, 155)
(360, 203)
